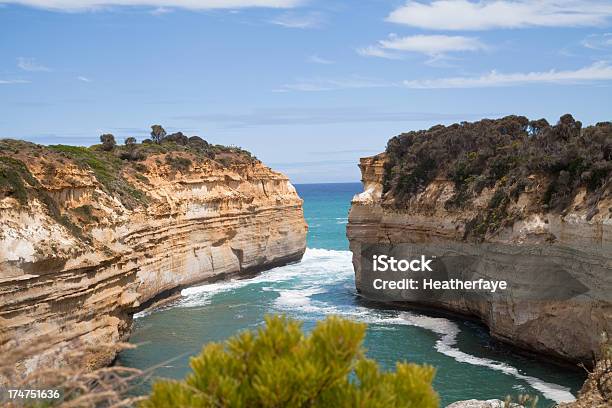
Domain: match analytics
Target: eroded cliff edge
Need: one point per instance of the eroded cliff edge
(88, 236)
(542, 209)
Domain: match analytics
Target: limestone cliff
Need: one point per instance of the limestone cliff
(571, 246)
(86, 238)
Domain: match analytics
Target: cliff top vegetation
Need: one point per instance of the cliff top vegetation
(26, 168)
(509, 155)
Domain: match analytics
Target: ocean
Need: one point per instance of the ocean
(469, 363)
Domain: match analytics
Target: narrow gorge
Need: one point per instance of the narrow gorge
(88, 236)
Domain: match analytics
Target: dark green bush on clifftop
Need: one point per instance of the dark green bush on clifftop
(278, 366)
(178, 163)
(504, 154)
(15, 178)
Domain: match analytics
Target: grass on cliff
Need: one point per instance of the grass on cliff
(17, 181)
(15, 178)
(107, 168)
(108, 165)
(113, 166)
(502, 154)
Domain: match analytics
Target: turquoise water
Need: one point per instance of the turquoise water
(469, 363)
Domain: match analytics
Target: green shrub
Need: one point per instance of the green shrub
(139, 167)
(142, 178)
(108, 142)
(501, 153)
(15, 178)
(278, 366)
(17, 181)
(132, 154)
(103, 164)
(178, 163)
(107, 169)
(85, 212)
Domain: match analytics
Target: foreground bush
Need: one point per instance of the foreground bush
(278, 366)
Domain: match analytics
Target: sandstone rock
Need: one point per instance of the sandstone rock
(210, 222)
(553, 244)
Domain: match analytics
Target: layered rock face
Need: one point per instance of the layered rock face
(574, 247)
(76, 262)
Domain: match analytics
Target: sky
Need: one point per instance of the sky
(308, 86)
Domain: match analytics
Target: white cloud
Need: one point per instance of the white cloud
(293, 20)
(432, 45)
(599, 71)
(488, 14)
(315, 59)
(598, 41)
(441, 61)
(84, 5)
(160, 11)
(83, 79)
(13, 81)
(327, 84)
(377, 51)
(30, 64)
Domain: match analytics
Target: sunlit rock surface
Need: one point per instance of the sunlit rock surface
(78, 279)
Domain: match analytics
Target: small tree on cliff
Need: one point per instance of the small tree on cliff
(158, 133)
(130, 142)
(278, 366)
(131, 152)
(108, 142)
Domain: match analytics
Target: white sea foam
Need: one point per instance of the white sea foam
(318, 267)
(201, 295)
(322, 267)
(298, 299)
(448, 340)
(142, 314)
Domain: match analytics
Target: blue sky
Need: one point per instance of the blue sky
(308, 86)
